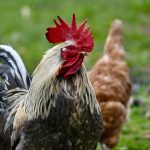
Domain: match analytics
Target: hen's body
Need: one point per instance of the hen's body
(110, 79)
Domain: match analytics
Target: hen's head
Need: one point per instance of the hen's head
(80, 42)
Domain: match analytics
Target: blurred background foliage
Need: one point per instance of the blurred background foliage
(23, 24)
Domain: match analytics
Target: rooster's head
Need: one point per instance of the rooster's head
(78, 43)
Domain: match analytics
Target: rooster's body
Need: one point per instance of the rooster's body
(110, 79)
(60, 110)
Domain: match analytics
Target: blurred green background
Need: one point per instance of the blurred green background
(23, 24)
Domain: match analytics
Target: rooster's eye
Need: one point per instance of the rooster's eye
(71, 47)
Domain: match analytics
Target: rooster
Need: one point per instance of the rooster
(59, 111)
(110, 79)
(13, 74)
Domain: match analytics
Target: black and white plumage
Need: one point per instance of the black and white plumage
(55, 113)
(12, 69)
(13, 74)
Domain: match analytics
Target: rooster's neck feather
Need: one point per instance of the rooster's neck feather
(46, 86)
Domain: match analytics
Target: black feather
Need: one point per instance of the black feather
(11, 77)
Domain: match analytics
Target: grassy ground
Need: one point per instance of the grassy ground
(23, 25)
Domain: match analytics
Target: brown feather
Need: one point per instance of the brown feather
(111, 82)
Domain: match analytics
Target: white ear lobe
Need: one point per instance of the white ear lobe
(64, 49)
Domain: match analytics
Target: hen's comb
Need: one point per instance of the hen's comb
(63, 32)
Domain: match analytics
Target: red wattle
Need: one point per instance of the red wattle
(71, 64)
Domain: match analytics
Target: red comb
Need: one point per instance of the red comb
(63, 32)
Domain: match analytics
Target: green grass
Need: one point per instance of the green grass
(26, 34)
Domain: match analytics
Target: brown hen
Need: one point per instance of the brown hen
(111, 82)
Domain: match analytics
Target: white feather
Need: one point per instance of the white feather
(19, 62)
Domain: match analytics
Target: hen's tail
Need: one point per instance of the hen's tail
(113, 47)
